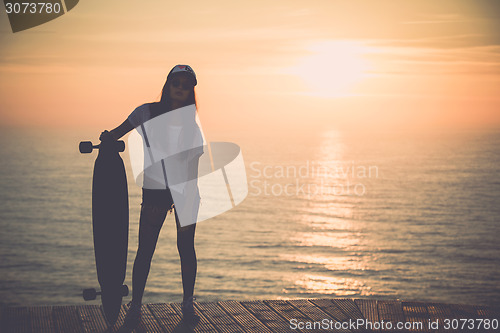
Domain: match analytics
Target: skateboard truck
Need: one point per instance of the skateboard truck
(87, 147)
(91, 293)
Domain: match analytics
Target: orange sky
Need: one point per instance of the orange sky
(261, 64)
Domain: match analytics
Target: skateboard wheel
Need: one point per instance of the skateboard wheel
(124, 290)
(85, 147)
(89, 294)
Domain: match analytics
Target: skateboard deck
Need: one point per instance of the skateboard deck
(110, 224)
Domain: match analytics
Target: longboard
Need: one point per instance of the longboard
(110, 222)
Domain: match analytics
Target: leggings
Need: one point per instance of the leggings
(155, 206)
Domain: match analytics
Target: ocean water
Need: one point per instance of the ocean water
(331, 214)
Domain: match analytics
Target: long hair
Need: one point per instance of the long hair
(165, 103)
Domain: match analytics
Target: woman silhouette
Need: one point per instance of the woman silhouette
(177, 92)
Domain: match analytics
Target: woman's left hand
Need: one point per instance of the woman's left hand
(106, 136)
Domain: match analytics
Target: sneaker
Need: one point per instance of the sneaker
(188, 313)
(133, 317)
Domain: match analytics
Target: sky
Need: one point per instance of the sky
(261, 65)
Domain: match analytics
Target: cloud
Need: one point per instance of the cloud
(451, 41)
(405, 60)
(441, 19)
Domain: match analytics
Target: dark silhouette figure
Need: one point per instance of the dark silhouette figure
(177, 92)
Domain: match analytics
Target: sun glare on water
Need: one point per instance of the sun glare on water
(333, 67)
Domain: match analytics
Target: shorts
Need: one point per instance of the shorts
(161, 200)
(157, 198)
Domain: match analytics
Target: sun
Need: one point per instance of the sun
(333, 67)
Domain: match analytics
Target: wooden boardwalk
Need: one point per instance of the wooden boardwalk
(304, 315)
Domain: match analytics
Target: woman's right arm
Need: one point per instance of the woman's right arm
(118, 132)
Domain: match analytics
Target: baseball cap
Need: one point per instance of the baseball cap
(183, 69)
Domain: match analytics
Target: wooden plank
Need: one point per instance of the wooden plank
(291, 313)
(286, 310)
(92, 318)
(166, 316)
(438, 313)
(416, 314)
(316, 314)
(41, 319)
(489, 316)
(369, 310)
(351, 311)
(391, 313)
(202, 326)
(349, 308)
(477, 323)
(218, 317)
(244, 318)
(488, 312)
(148, 322)
(267, 316)
(16, 320)
(326, 305)
(66, 319)
(463, 311)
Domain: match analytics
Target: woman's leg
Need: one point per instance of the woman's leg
(185, 246)
(150, 224)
